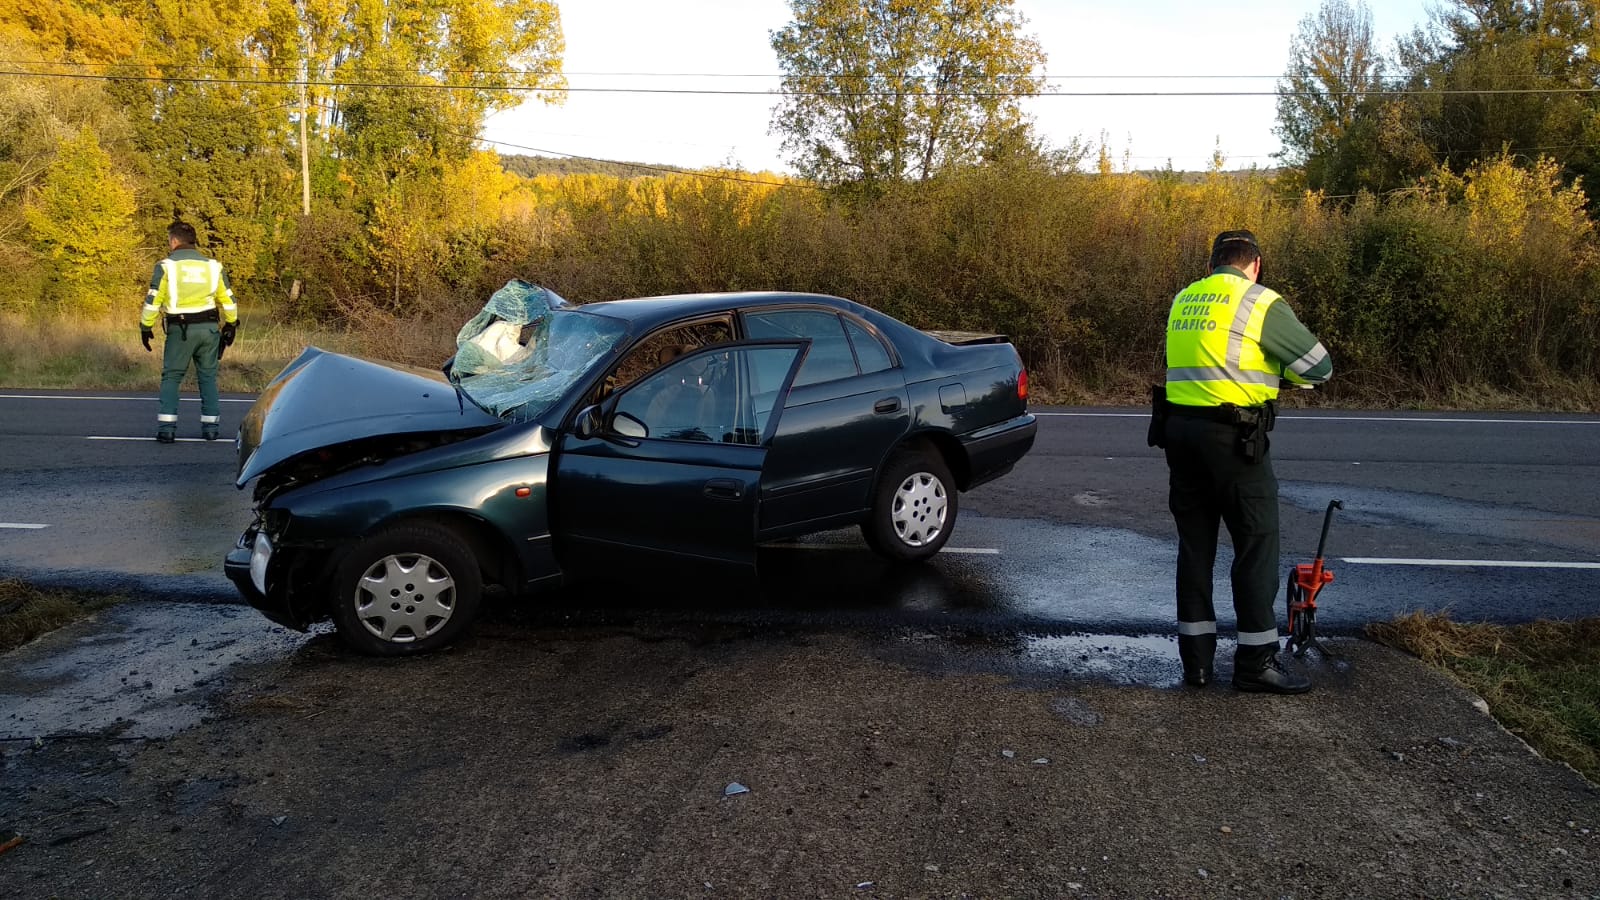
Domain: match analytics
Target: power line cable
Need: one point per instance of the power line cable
(266, 67)
(392, 85)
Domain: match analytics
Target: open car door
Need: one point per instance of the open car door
(669, 469)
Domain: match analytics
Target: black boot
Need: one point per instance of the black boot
(210, 432)
(167, 434)
(1197, 652)
(1272, 678)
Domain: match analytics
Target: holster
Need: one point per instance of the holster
(1251, 425)
(1159, 409)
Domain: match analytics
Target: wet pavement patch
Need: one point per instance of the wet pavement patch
(139, 670)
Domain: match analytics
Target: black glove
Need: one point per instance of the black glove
(145, 334)
(230, 330)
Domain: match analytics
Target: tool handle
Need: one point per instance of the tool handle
(1327, 519)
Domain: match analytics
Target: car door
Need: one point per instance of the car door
(846, 409)
(669, 468)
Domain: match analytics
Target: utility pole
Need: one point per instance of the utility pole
(305, 169)
(305, 155)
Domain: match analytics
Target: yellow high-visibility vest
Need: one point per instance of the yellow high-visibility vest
(1214, 351)
(188, 285)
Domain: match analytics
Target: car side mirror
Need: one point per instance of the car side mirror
(628, 426)
(589, 424)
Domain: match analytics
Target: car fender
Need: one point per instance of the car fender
(508, 500)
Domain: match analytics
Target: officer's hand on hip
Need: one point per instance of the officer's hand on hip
(145, 334)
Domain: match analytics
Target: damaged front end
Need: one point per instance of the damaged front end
(324, 416)
(285, 578)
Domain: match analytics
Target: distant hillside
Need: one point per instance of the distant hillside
(529, 166)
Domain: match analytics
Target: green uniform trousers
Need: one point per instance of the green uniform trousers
(195, 343)
(1211, 483)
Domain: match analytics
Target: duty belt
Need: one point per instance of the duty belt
(1226, 414)
(205, 315)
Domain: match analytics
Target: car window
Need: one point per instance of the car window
(724, 396)
(830, 357)
(870, 351)
(662, 347)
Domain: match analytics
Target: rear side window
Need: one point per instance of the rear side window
(830, 357)
(870, 352)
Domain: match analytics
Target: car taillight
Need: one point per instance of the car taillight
(1022, 384)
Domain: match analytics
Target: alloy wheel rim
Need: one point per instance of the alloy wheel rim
(405, 597)
(919, 509)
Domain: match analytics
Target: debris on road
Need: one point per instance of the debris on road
(734, 789)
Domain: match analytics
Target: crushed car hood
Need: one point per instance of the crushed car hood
(325, 399)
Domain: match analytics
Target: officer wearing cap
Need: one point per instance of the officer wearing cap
(192, 292)
(1229, 343)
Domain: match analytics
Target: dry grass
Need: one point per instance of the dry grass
(27, 612)
(1542, 681)
(107, 355)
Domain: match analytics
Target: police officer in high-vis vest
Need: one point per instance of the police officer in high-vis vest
(1229, 343)
(191, 292)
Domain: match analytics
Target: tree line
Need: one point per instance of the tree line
(1435, 235)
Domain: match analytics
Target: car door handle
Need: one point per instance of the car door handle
(724, 489)
(887, 405)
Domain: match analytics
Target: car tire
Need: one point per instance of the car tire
(913, 507)
(406, 590)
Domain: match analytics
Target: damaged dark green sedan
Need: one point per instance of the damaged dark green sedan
(613, 438)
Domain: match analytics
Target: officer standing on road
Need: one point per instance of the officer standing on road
(1229, 342)
(193, 293)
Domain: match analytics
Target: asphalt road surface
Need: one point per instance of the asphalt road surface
(1491, 516)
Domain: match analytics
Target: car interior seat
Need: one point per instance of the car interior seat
(680, 407)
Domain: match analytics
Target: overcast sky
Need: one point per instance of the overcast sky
(725, 45)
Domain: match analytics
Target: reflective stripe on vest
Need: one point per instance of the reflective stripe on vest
(1214, 351)
(191, 285)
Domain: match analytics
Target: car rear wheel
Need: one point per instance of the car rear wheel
(913, 508)
(409, 589)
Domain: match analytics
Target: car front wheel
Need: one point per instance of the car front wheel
(409, 589)
(913, 508)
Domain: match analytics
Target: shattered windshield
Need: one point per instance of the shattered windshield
(526, 348)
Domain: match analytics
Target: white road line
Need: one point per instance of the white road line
(23, 525)
(975, 551)
(226, 442)
(1283, 418)
(1476, 563)
(133, 399)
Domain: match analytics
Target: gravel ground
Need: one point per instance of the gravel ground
(562, 762)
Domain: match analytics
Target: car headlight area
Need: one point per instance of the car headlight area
(260, 556)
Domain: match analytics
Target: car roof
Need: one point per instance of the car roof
(648, 312)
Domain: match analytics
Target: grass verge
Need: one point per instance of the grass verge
(1541, 681)
(27, 612)
(107, 355)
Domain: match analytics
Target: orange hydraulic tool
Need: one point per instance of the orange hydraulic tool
(1305, 581)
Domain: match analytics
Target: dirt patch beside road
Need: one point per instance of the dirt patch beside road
(558, 762)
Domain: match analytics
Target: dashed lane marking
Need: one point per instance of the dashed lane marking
(226, 442)
(22, 525)
(135, 399)
(1473, 563)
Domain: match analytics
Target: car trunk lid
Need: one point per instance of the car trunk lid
(967, 338)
